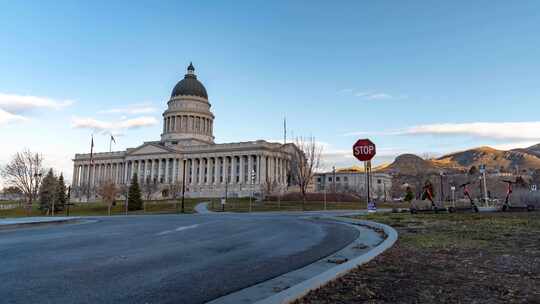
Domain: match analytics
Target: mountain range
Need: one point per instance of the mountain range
(494, 160)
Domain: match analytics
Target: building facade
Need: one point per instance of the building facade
(352, 181)
(187, 156)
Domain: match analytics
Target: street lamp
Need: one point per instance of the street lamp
(183, 182)
(37, 180)
(252, 177)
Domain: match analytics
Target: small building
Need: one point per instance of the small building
(353, 180)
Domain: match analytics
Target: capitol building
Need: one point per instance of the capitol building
(187, 151)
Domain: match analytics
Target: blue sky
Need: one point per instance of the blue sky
(414, 76)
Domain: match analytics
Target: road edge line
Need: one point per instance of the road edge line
(299, 290)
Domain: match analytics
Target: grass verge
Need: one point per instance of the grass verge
(100, 209)
(242, 205)
(447, 258)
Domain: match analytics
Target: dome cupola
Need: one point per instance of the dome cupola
(189, 86)
(188, 119)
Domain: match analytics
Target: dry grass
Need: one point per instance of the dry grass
(448, 258)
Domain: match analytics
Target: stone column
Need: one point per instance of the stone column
(233, 170)
(208, 170)
(272, 169)
(200, 177)
(181, 170)
(225, 172)
(85, 175)
(126, 172)
(192, 171)
(278, 169)
(166, 170)
(74, 179)
(174, 171)
(95, 174)
(250, 169)
(242, 179)
(258, 169)
(159, 169)
(82, 178)
(263, 169)
(216, 170)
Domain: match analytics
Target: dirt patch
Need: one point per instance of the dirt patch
(449, 258)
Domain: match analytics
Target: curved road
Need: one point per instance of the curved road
(159, 258)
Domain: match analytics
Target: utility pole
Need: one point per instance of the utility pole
(442, 189)
(485, 188)
(334, 178)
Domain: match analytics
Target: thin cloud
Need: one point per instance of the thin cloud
(7, 118)
(14, 103)
(371, 95)
(131, 110)
(374, 96)
(112, 126)
(493, 130)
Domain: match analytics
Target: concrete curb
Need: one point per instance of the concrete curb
(295, 292)
(202, 208)
(14, 223)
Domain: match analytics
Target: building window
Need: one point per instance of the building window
(318, 179)
(337, 178)
(378, 181)
(345, 179)
(330, 179)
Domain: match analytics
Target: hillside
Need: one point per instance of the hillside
(534, 150)
(493, 159)
(410, 164)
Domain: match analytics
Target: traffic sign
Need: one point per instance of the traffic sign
(364, 149)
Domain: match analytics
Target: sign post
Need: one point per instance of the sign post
(364, 150)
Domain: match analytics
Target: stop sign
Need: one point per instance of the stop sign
(364, 149)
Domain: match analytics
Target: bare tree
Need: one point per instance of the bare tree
(148, 188)
(25, 172)
(268, 188)
(108, 192)
(175, 190)
(305, 162)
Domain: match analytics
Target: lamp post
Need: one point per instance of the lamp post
(183, 183)
(252, 179)
(37, 180)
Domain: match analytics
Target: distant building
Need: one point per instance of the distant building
(352, 180)
(187, 149)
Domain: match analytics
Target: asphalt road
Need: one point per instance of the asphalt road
(159, 259)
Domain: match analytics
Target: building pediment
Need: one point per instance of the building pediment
(149, 148)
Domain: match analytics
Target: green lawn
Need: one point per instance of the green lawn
(9, 202)
(242, 205)
(97, 209)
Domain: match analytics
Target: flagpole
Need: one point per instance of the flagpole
(90, 166)
(284, 129)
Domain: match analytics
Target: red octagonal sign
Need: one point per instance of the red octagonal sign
(364, 149)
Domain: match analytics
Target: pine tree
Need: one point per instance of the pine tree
(61, 196)
(134, 195)
(47, 191)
